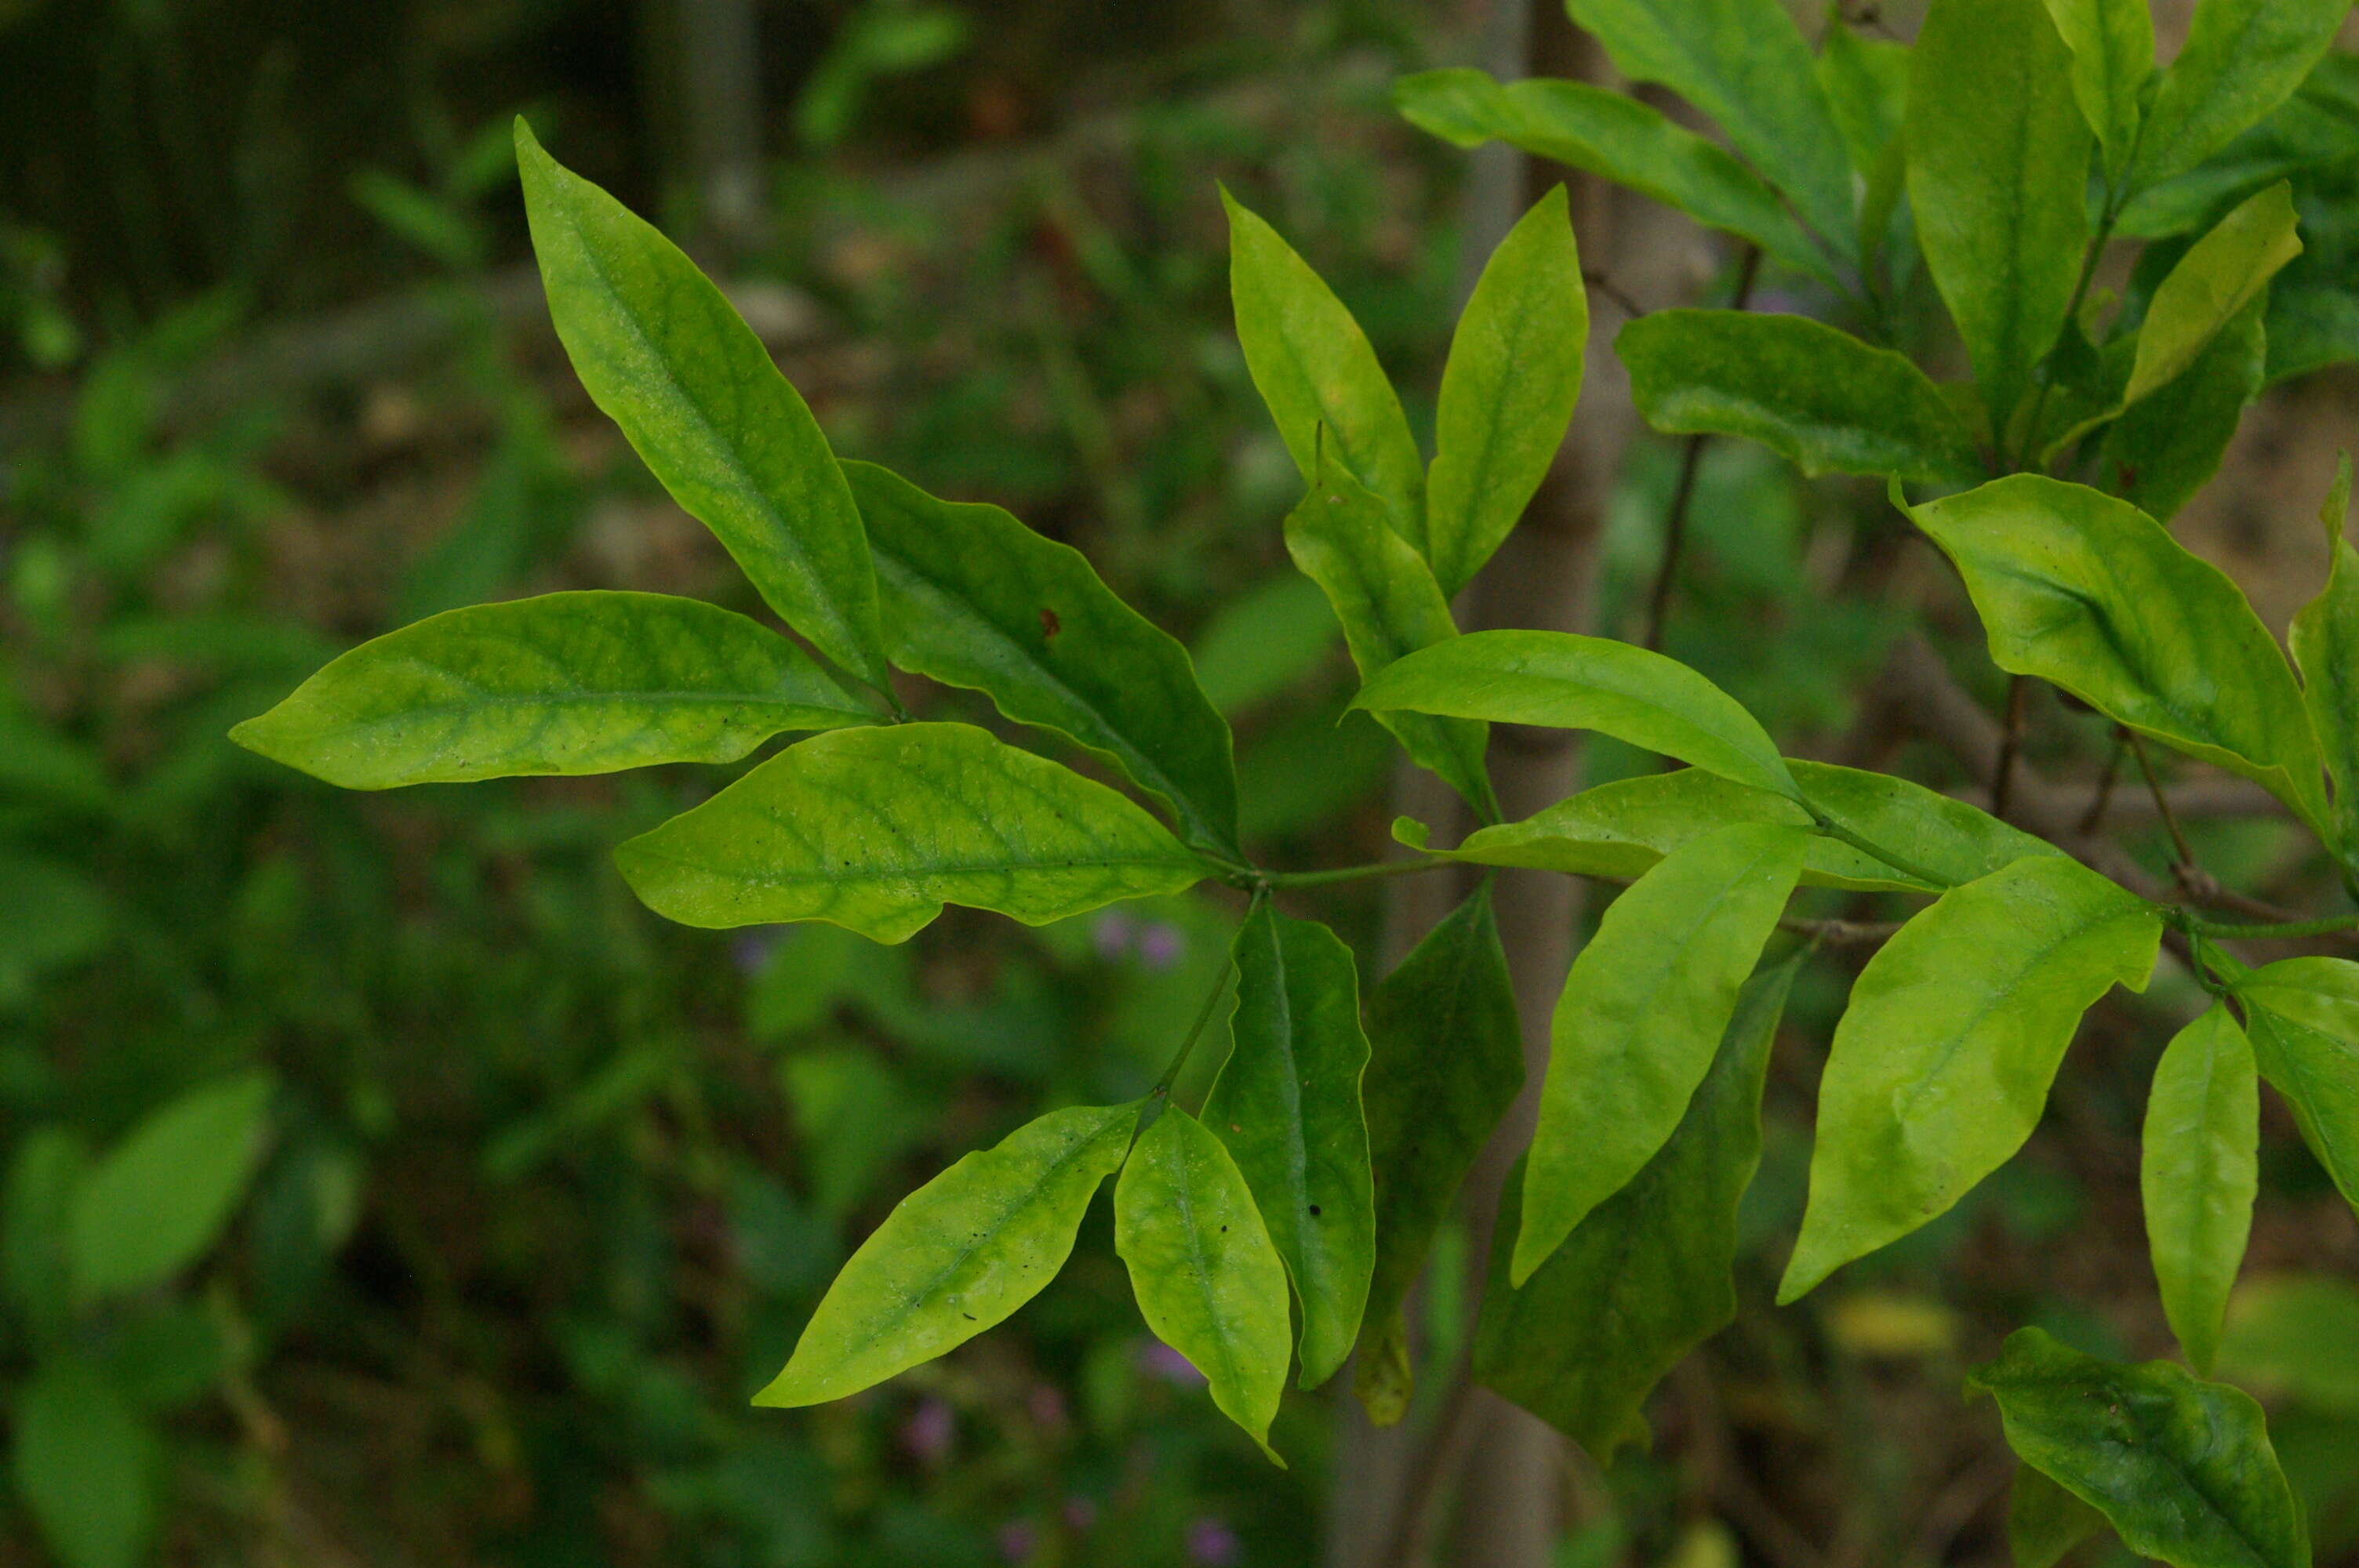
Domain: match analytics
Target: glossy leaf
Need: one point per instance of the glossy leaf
(1507, 392)
(2304, 1018)
(1287, 1103)
(875, 829)
(973, 598)
(1318, 375)
(158, 1199)
(2325, 641)
(1390, 606)
(2112, 57)
(2181, 1468)
(2044, 1521)
(2168, 445)
(2241, 58)
(85, 1464)
(1571, 682)
(1815, 394)
(1998, 161)
(2220, 276)
(1643, 1010)
(1647, 1275)
(2199, 1175)
(1615, 138)
(957, 1256)
(1744, 63)
(1940, 1066)
(567, 683)
(2089, 593)
(668, 359)
(1208, 1279)
(1446, 1061)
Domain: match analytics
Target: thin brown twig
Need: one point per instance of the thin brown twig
(2010, 748)
(1604, 282)
(1675, 523)
(2104, 797)
(2186, 866)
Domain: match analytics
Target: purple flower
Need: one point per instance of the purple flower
(1168, 1363)
(1018, 1540)
(930, 1433)
(1161, 945)
(1213, 1543)
(753, 945)
(1112, 935)
(1080, 1514)
(1046, 1406)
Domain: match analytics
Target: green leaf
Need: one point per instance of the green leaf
(1622, 829)
(1446, 1061)
(2168, 445)
(1317, 372)
(1287, 1103)
(2044, 1521)
(2112, 57)
(160, 1197)
(2181, 1468)
(1644, 1008)
(1208, 1282)
(2304, 1018)
(2241, 58)
(2311, 132)
(567, 683)
(1866, 85)
(957, 1256)
(85, 1465)
(1390, 606)
(670, 360)
(1572, 681)
(1615, 138)
(1998, 163)
(1744, 63)
(2220, 276)
(2091, 593)
(2310, 329)
(2325, 641)
(1941, 1065)
(2295, 1337)
(2199, 1175)
(1264, 642)
(1816, 396)
(36, 1214)
(875, 829)
(973, 598)
(1507, 393)
(1647, 1275)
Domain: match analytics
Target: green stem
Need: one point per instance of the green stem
(2029, 454)
(2287, 930)
(1352, 873)
(1843, 835)
(1162, 1089)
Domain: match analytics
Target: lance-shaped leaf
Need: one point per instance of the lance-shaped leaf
(1744, 63)
(2304, 1018)
(1208, 1282)
(1866, 85)
(160, 1197)
(2312, 130)
(1998, 165)
(1615, 138)
(567, 683)
(875, 829)
(957, 1256)
(2044, 1521)
(1621, 829)
(1390, 606)
(2181, 1468)
(85, 1464)
(1318, 375)
(2199, 1175)
(1817, 396)
(973, 598)
(1571, 682)
(2089, 593)
(1643, 1011)
(2112, 55)
(1647, 1275)
(2241, 58)
(670, 360)
(2168, 445)
(2325, 640)
(1446, 1061)
(1288, 1105)
(1941, 1065)
(1507, 392)
(2221, 274)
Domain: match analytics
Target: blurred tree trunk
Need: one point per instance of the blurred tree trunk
(704, 75)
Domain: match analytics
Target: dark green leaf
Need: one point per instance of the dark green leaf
(2089, 593)
(2168, 445)
(973, 598)
(567, 683)
(2310, 329)
(2241, 58)
(1940, 1066)
(670, 362)
(2199, 1175)
(1866, 85)
(85, 1465)
(1507, 393)
(2304, 1018)
(2313, 131)
(2044, 1521)
(160, 1197)
(875, 829)
(957, 1256)
(2181, 1468)
(1815, 394)
(1998, 164)
(1288, 1105)
(1646, 1276)
(1208, 1282)
(1643, 1010)
(2325, 640)
(1572, 681)
(36, 1214)
(2295, 1337)
(2112, 55)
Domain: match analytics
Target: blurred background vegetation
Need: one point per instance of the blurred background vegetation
(384, 1186)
